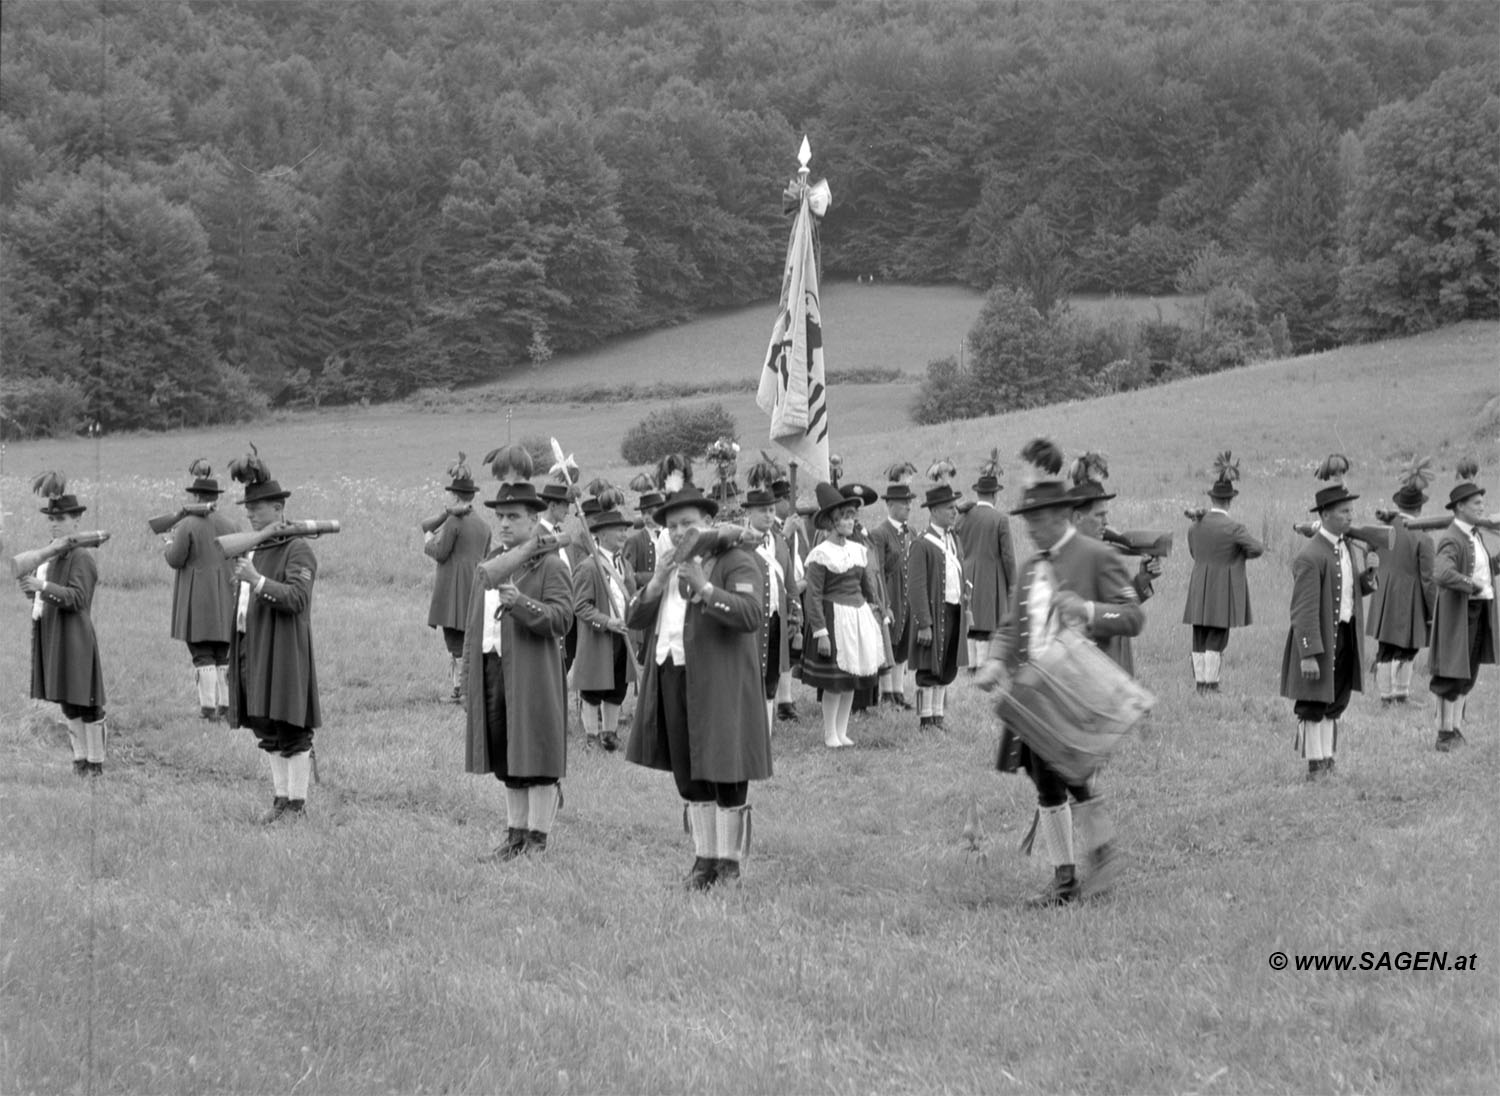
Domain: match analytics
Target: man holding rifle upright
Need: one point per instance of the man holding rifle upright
(203, 589)
(458, 541)
(273, 684)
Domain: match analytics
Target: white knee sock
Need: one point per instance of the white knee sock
(609, 717)
(517, 806)
(924, 701)
(208, 686)
(845, 709)
(1211, 662)
(1198, 667)
(1312, 739)
(221, 688)
(702, 824)
(298, 770)
(278, 774)
(898, 679)
(784, 689)
(1385, 679)
(1093, 823)
(78, 739)
(93, 737)
(831, 719)
(1330, 737)
(732, 832)
(1401, 679)
(1055, 828)
(541, 807)
(939, 700)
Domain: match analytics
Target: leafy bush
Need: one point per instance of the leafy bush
(40, 407)
(676, 430)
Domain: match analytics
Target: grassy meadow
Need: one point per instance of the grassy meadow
(156, 940)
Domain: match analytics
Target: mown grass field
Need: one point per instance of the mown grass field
(155, 940)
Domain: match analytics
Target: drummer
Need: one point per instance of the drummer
(1089, 587)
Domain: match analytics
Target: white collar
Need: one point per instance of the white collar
(1329, 537)
(1218, 510)
(984, 502)
(899, 526)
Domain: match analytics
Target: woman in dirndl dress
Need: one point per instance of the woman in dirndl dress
(844, 649)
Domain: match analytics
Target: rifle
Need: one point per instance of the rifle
(237, 544)
(499, 569)
(27, 562)
(1434, 522)
(1140, 542)
(434, 523)
(163, 523)
(1382, 538)
(714, 541)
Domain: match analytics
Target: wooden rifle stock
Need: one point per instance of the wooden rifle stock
(1382, 538)
(714, 541)
(28, 562)
(434, 523)
(237, 544)
(1434, 522)
(163, 523)
(1140, 542)
(497, 570)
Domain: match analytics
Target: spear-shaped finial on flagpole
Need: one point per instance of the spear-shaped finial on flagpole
(804, 157)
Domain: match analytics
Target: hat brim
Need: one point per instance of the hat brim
(1453, 502)
(534, 504)
(192, 490)
(275, 496)
(709, 507)
(63, 511)
(615, 523)
(1332, 502)
(1062, 502)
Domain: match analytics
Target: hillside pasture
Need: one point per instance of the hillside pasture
(155, 939)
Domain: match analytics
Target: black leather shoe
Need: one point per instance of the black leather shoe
(705, 874)
(610, 741)
(96, 768)
(1062, 890)
(278, 808)
(1104, 869)
(208, 713)
(787, 713)
(729, 872)
(896, 700)
(80, 768)
(224, 713)
(513, 846)
(536, 841)
(938, 724)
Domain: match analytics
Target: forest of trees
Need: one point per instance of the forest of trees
(208, 207)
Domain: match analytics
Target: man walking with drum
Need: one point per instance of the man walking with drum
(1071, 581)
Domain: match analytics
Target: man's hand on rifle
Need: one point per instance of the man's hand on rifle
(244, 571)
(30, 584)
(509, 593)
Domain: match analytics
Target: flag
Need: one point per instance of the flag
(793, 388)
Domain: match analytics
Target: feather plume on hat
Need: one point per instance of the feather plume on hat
(990, 466)
(1468, 468)
(674, 472)
(765, 472)
(511, 463)
(1092, 467)
(460, 469)
(1042, 461)
(942, 470)
(642, 482)
(1226, 469)
(1416, 477)
(609, 496)
(200, 468)
(1334, 468)
(901, 472)
(50, 485)
(250, 468)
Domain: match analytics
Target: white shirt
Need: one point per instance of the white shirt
(491, 622)
(767, 551)
(1039, 604)
(669, 628)
(244, 602)
(1480, 576)
(36, 598)
(1346, 577)
(615, 590)
(553, 531)
(953, 574)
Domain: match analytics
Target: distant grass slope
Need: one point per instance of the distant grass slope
(864, 327)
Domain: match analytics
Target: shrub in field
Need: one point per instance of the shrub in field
(40, 407)
(676, 430)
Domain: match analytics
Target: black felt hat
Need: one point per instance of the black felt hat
(607, 519)
(517, 494)
(1461, 493)
(59, 505)
(688, 496)
(1044, 495)
(1089, 492)
(941, 495)
(831, 498)
(758, 496)
(1332, 495)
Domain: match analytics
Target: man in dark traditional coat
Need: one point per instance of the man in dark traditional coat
(890, 544)
(458, 544)
(65, 666)
(273, 681)
(639, 549)
(935, 597)
(1400, 615)
(203, 591)
(785, 617)
(557, 499)
(1090, 518)
(1086, 584)
(701, 714)
(1218, 596)
(515, 693)
(604, 668)
(1465, 628)
(1320, 666)
(989, 562)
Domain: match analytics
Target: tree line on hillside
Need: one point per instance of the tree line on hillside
(211, 207)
